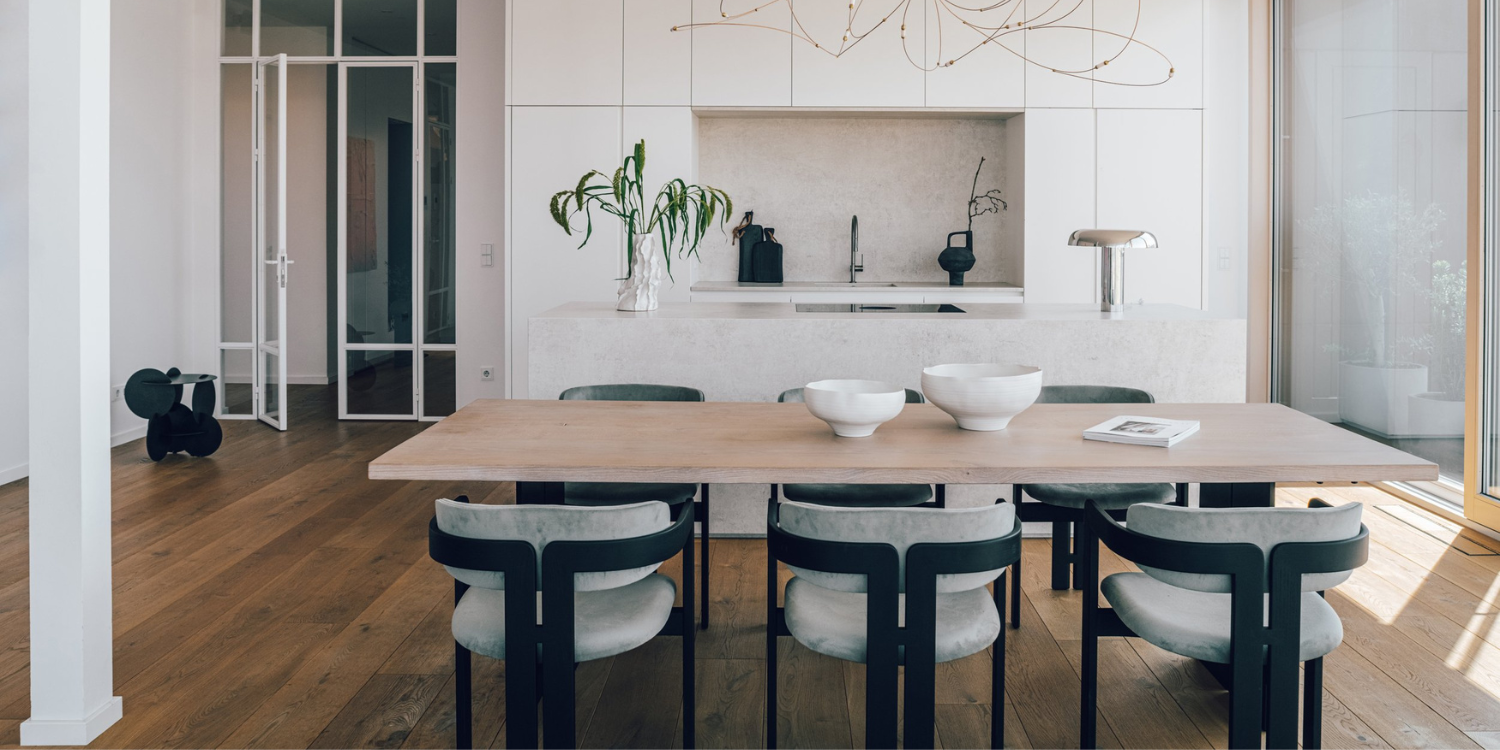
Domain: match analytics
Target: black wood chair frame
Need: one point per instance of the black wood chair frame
(526, 681)
(551, 493)
(880, 563)
(1065, 560)
(1262, 673)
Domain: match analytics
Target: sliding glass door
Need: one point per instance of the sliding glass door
(1482, 502)
(1371, 239)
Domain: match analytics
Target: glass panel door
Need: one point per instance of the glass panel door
(270, 228)
(379, 241)
(1482, 502)
(1371, 237)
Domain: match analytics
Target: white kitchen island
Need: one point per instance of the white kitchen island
(746, 351)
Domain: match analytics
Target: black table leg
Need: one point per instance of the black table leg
(539, 493)
(1237, 495)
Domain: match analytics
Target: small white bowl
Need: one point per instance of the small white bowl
(854, 408)
(982, 397)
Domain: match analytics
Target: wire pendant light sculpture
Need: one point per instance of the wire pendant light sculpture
(961, 29)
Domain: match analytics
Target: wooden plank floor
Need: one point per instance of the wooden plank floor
(271, 596)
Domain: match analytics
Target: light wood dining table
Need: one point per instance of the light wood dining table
(1238, 455)
(1240, 452)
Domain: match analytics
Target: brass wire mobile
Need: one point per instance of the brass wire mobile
(988, 23)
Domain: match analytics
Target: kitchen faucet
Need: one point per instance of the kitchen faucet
(855, 265)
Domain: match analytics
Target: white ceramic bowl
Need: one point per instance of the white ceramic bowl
(982, 397)
(854, 408)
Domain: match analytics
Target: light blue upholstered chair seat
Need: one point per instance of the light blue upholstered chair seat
(1236, 587)
(1109, 496)
(616, 493)
(826, 611)
(833, 622)
(892, 586)
(606, 622)
(1196, 623)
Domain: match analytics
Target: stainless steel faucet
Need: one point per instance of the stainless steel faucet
(856, 262)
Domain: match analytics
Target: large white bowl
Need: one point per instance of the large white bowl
(854, 408)
(982, 397)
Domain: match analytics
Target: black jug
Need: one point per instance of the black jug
(748, 234)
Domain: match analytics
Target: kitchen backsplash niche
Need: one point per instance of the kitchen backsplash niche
(907, 178)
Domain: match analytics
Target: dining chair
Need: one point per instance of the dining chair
(1062, 505)
(887, 587)
(861, 495)
(1239, 589)
(544, 587)
(672, 493)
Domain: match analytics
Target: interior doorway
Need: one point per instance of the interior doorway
(340, 285)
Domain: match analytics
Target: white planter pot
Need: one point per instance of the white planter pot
(638, 292)
(1431, 415)
(1378, 399)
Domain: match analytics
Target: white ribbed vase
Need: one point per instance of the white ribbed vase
(638, 291)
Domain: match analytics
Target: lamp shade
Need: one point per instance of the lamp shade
(1125, 238)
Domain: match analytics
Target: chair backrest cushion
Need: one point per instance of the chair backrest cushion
(1093, 394)
(543, 524)
(794, 396)
(901, 528)
(1263, 527)
(632, 392)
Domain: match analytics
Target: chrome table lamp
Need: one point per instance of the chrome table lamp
(1114, 242)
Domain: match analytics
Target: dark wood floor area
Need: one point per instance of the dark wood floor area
(271, 596)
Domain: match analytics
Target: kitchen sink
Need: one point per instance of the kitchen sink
(875, 308)
(876, 284)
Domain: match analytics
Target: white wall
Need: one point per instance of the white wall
(157, 219)
(480, 142)
(13, 243)
(1095, 154)
(151, 219)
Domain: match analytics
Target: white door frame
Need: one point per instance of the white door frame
(261, 346)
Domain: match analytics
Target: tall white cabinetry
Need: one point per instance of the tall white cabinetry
(588, 78)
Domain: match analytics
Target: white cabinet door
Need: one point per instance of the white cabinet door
(566, 52)
(875, 72)
(1151, 178)
(994, 75)
(670, 136)
(738, 66)
(1173, 26)
(658, 60)
(1062, 49)
(557, 145)
(1059, 199)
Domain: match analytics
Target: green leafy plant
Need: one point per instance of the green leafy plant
(680, 214)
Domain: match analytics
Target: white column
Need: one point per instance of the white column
(72, 674)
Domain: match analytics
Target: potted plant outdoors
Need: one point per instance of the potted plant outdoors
(1439, 412)
(1375, 245)
(679, 216)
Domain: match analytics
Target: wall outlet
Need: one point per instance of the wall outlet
(487, 373)
(117, 392)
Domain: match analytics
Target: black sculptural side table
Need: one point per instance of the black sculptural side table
(156, 396)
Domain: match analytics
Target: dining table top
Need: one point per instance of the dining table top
(762, 443)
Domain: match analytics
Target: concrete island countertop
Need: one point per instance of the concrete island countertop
(788, 311)
(975, 287)
(752, 351)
